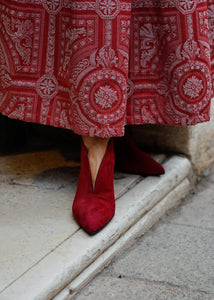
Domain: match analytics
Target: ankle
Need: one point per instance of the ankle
(95, 142)
(96, 148)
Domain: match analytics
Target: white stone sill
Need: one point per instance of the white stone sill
(77, 258)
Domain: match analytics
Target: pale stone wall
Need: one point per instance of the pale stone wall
(197, 142)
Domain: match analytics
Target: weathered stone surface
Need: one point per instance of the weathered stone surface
(63, 252)
(104, 287)
(198, 213)
(33, 222)
(35, 215)
(174, 254)
(174, 260)
(130, 236)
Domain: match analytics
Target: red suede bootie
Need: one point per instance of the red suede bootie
(130, 159)
(93, 209)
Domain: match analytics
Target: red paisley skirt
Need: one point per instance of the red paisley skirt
(94, 66)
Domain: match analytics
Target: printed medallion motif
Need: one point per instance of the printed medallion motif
(47, 86)
(190, 86)
(107, 9)
(103, 93)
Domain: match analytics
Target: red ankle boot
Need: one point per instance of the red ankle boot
(93, 209)
(130, 159)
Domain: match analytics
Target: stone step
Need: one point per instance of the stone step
(44, 254)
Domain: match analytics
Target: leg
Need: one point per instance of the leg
(96, 148)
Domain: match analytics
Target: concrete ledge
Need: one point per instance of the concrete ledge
(65, 269)
(138, 229)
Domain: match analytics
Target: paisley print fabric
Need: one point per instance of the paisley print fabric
(94, 66)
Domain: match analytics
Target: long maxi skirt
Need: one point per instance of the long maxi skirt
(94, 66)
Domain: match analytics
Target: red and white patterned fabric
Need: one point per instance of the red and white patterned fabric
(95, 65)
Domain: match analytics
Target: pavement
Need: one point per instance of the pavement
(173, 260)
(44, 254)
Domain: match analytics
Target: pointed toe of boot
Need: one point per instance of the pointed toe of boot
(93, 213)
